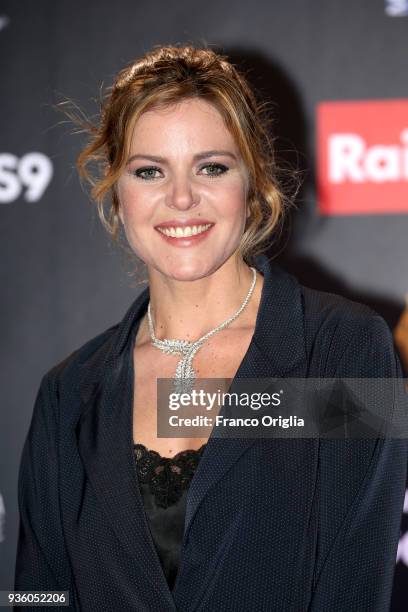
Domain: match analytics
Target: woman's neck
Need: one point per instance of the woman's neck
(189, 309)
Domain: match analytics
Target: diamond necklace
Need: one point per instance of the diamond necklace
(185, 374)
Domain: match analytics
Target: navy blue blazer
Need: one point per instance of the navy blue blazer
(274, 525)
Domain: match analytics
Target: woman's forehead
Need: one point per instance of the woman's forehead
(184, 111)
(192, 123)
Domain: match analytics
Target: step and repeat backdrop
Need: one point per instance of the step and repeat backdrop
(335, 73)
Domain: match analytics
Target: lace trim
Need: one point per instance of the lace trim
(167, 477)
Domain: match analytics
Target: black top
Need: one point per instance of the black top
(164, 483)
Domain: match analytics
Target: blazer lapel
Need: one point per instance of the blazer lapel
(277, 349)
(105, 444)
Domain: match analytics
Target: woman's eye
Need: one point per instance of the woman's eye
(147, 174)
(214, 169)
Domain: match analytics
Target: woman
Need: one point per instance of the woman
(127, 520)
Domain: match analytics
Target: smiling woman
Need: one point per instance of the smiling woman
(184, 216)
(153, 93)
(126, 519)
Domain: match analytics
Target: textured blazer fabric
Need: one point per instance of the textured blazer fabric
(274, 525)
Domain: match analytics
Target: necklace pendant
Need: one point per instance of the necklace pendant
(183, 385)
(184, 369)
(185, 375)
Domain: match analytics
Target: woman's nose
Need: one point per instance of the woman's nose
(182, 194)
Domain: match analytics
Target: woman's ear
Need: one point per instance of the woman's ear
(120, 209)
(248, 208)
(116, 201)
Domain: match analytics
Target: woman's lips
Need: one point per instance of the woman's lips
(185, 241)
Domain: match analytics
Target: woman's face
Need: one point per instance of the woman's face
(182, 194)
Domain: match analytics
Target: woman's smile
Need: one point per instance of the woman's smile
(184, 235)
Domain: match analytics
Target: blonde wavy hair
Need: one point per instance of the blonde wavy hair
(162, 77)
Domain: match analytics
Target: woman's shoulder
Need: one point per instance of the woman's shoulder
(319, 309)
(345, 331)
(333, 306)
(91, 352)
(86, 359)
(327, 311)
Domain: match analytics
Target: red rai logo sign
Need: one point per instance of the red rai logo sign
(362, 157)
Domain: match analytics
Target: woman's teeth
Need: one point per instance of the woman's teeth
(184, 232)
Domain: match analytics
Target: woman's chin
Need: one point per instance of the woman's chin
(179, 271)
(186, 274)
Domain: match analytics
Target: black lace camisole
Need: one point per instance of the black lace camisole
(164, 483)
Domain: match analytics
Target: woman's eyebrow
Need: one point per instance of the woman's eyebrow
(196, 157)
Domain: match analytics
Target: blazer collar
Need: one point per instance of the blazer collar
(104, 429)
(280, 310)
